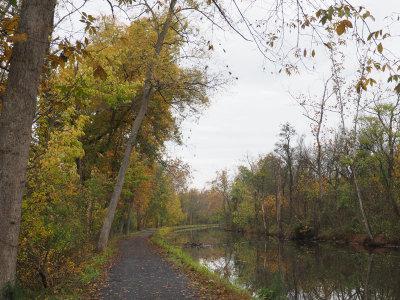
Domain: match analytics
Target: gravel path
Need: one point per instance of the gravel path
(140, 273)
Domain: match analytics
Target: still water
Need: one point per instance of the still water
(288, 270)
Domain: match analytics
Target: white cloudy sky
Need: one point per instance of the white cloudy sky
(245, 119)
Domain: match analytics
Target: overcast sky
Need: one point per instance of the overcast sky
(245, 119)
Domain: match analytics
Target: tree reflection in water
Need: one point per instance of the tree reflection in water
(287, 270)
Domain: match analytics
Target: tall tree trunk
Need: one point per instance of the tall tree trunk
(318, 201)
(279, 202)
(148, 90)
(18, 110)
(290, 190)
(264, 218)
(361, 204)
(389, 184)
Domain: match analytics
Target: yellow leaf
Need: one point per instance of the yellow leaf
(363, 85)
(341, 28)
(370, 36)
(313, 53)
(380, 48)
(347, 23)
(358, 87)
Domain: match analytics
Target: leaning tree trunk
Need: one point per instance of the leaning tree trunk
(17, 113)
(361, 205)
(147, 93)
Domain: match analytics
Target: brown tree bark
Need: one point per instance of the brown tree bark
(18, 110)
(148, 90)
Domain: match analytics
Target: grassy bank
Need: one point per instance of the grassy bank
(211, 285)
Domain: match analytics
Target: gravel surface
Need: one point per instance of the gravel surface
(141, 273)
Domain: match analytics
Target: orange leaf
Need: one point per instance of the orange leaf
(341, 28)
(347, 23)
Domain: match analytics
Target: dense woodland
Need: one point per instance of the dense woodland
(83, 136)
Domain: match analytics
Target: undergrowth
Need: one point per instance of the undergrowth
(79, 285)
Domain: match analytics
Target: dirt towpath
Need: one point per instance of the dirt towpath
(141, 273)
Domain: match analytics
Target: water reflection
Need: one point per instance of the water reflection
(285, 270)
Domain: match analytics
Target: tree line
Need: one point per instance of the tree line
(343, 183)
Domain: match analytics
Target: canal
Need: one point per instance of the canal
(289, 270)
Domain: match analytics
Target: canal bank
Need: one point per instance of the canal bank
(276, 269)
(210, 284)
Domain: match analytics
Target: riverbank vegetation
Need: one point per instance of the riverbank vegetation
(78, 283)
